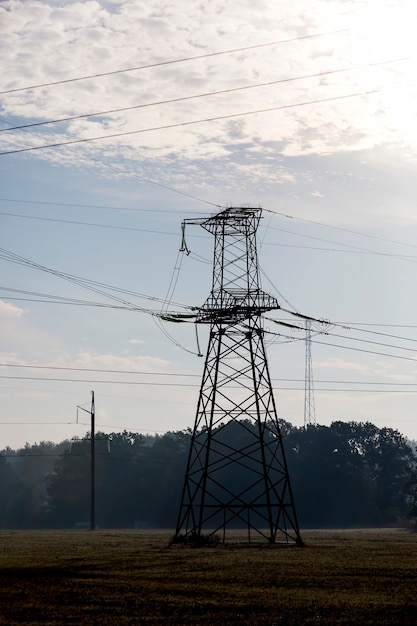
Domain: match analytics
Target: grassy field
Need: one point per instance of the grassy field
(134, 577)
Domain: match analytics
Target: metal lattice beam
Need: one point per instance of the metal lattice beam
(309, 403)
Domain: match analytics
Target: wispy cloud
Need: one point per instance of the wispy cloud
(342, 364)
(10, 310)
(108, 40)
(117, 362)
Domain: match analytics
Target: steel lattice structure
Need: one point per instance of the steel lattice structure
(237, 474)
(309, 404)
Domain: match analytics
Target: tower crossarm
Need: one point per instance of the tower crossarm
(235, 305)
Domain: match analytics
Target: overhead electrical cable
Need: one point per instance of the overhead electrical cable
(98, 288)
(74, 303)
(194, 255)
(91, 285)
(406, 257)
(134, 173)
(190, 375)
(201, 95)
(373, 332)
(402, 257)
(106, 382)
(349, 248)
(329, 332)
(376, 324)
(346, 230)
(98, 206)
(100, 370)
(176, 211)
(349, 326)
(93, 224)
(174, 61)
(158, 321)
(204, 120)
(160, 384)
(369, 341)
(54, 299)
(333, 345)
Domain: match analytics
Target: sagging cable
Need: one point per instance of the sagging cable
(199, 353)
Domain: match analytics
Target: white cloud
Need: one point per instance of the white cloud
(342, 364)
(122, 363)
(347, 163)
(46, 43)
(10, 310)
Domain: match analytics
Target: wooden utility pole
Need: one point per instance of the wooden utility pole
(92, 462)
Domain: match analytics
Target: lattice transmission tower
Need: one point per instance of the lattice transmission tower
(309, 404)
(237, 474)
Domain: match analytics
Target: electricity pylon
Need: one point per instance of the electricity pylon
(309, 404)
(237, 474)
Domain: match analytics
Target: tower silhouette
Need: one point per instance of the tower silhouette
(309, 404)
(236, 474)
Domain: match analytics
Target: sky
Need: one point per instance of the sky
(159, 112)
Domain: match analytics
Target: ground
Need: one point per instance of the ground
(340, 577)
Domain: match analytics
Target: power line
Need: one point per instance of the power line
(375, 332)
(401, 257)
(63, 300)
(89, 369)
(333, 345)
(158, 232)
(86, 284)
(350, 247)
(377, 343)
(346, 327)
(201, 95)
(106, 382)
(346, 230)
(159, 384)
(351, 250)
(40, 424)
(118, 168)
(188, 375)
(204, 120)
(77, 223)
(91, 285)
(173, 61)
(376, 324)
(97, 206)
(349, 326)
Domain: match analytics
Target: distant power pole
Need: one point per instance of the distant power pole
(92, 413)
(237, 474)
(309, 405)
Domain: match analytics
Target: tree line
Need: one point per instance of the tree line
(343, 475)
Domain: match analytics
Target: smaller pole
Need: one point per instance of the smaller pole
(93, 464)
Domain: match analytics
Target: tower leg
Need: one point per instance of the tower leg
(237, 475)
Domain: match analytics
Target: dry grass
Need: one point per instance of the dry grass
(133, 577)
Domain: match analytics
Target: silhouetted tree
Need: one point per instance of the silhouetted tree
(345, 474)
